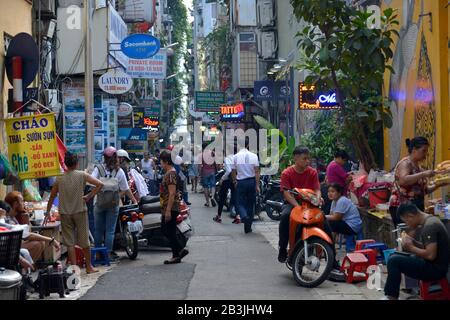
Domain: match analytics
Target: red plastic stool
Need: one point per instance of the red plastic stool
(355, 262)
(370, 254)
(361, 243)
(443, 294)
(81, 261)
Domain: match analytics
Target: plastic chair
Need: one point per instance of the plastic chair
(378, 246)
(370, 254)
(81, 261)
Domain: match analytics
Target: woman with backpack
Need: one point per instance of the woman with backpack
(106, 208)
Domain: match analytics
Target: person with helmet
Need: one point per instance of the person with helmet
(135, 179)
(106, 215)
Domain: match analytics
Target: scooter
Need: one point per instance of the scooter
(128, 228)
(152, 235)
(273, 193)
(310, 254)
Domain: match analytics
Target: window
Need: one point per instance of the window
(248, 57)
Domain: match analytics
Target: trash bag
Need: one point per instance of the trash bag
(30, 193)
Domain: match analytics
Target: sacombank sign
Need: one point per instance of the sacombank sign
(140, 46)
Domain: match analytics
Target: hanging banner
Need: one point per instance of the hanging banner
(115, 82)
(264, 90)
(153, 68)
(32, 146)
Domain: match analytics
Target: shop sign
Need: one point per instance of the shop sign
(32, 146)
(115, 82)
(140, 46)
(153, 68)
(125, 109)
(231, 112)
(151, 123)
(209, 101)
(310, 100)
(264, 90)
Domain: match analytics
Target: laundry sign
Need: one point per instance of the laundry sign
(115, 82)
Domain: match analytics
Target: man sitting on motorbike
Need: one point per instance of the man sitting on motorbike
(300, 175)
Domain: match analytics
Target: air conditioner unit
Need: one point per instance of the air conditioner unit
(268, 45)
(265, 13)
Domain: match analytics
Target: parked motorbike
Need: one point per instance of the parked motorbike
(152, 235)
(310, 254)
(128, 228)
(273, 193)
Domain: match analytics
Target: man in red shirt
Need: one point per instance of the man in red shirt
(300, 175)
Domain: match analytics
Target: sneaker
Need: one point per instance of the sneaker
(248, 229)
(188, 203)
(282, 255)
(237, 220)
(213, 202)
(217, 219)
(337, 276)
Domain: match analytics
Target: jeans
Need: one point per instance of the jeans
(246, 200)
(169, 230)
(105, 226)
(413, 267)
(283, 231)
(226, 185)
(341, 227)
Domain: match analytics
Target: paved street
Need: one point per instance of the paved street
(223, 263)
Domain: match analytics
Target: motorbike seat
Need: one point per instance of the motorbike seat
(151, 208)
(149, 199)
(275, 205)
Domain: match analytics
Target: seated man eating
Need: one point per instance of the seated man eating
(429, 249)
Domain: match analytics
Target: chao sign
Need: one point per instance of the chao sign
(308, 100)
(32, 146)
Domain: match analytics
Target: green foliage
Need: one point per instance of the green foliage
(326, 136)
(343, 54)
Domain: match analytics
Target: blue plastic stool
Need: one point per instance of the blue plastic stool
(387, 254)
(379, 246)
(103, 251)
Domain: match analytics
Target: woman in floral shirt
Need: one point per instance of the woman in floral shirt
(170, 203)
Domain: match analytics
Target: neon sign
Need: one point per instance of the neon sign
(232, 112)
(151, 123)
(308, 100)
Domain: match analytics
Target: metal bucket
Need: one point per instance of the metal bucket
(10, 283)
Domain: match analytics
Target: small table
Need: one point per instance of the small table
(52, 229)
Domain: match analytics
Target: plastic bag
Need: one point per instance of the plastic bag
(30, 193)
(7, 172)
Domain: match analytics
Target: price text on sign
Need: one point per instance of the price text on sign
(32, 147)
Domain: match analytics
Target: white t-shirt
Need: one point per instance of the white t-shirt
(147, 166)
(245, 163)
(123, 183)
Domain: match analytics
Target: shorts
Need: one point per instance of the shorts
(209, 181)
(76, 222)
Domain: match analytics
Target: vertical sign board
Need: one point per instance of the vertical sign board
(209, 101)
(32, 146)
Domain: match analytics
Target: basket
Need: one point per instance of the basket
(10, 243)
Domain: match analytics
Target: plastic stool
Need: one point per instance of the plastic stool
(443, 294)
(370, 254)
(361, 243)
(379, 246)
(81, 261)
(103, 251)
(387, 253)
(355, 262)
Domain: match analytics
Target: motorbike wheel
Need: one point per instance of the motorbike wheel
(317, 270)
(273, 214)
(130, 242)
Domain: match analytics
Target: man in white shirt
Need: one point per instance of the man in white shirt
(246, 178)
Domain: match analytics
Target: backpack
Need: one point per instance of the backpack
(109, 195)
